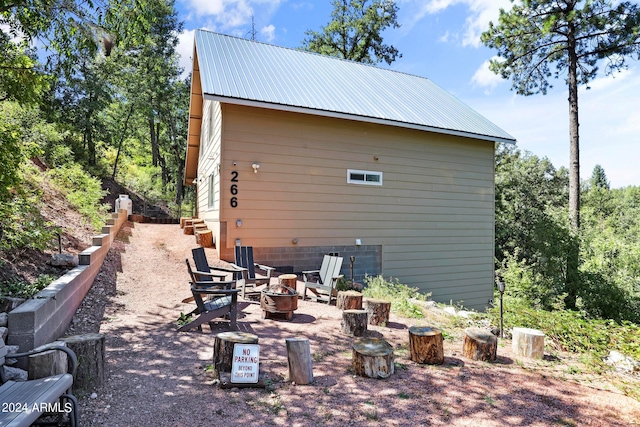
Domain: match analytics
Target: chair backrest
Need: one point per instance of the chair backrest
(200, 258)
(244, 259)
(333, 265)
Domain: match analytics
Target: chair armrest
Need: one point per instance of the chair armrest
(221, 292)
(265, 268)
(226, 284)
(205, 274)
(70, 354)
(311, 271)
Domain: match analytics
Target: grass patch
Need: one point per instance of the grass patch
(398, 294)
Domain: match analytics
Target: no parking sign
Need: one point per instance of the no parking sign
(245, 364)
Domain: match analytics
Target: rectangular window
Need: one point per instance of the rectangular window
(212, 189)
(364, 177)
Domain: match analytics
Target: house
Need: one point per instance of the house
(300, 155)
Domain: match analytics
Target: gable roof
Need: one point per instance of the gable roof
(240, 71)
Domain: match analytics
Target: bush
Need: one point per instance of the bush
(398, 294)
(19, 289)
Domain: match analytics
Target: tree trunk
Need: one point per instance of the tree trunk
(354, 322)
(426, 345)
(480, 345)
(373, 358)
(574, 143)
(223, 349)
(299, 361)
(122, 135)
(89, 348)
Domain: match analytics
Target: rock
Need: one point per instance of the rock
(450, 310)
(4, 319)
(621, 362)
(10, 350)
(64, 260)
(15, 374)
(465, 314)
(4, 332)
(9, 303)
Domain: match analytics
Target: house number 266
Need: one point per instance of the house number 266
(234, 189)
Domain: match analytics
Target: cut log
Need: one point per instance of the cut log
(299, 361)
(223, 349)
(349, 300)
(204, 238)
(378, 311)
(528, 342)
(183, 219)
(289, 281)
(188, 229)
(354, 322)
(89, 349)
(49, 363)
(480, 345)
(373, 358)
(426, 345)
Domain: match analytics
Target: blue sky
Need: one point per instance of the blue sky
(440, 40)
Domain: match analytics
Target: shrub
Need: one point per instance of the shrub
(398, 294)
(20, 289)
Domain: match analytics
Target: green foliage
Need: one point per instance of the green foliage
(398, 294)
(355, 31)
(19, 289)
(82, 191)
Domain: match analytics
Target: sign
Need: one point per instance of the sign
(245, 364)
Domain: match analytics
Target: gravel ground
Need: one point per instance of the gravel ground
(159, 377)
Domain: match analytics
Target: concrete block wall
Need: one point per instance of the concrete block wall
(46, 316)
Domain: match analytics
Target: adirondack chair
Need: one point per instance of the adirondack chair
(322, 283)
(248, 276)
(222, 300)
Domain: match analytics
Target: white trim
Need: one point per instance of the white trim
(365, 177)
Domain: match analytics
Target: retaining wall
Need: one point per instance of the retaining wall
(46, 316)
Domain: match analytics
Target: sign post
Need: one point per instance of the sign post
(245, 364)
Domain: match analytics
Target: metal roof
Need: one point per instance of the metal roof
(236, 70)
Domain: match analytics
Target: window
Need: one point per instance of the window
(364, 177)
(212, 189)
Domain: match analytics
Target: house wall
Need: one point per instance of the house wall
(432, 220)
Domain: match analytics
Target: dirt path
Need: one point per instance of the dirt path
(158, 377)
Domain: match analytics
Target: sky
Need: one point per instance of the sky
(440, 40)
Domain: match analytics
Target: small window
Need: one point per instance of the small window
(212, 189)
(364, 177)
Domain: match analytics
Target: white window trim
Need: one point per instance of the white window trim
(365, 173)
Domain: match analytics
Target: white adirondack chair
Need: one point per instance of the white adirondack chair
(322, 283)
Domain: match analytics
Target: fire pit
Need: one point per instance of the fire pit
(278, 299)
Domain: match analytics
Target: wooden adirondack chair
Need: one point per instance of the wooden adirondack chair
(222, 300)
(324, 285)
(248, 276)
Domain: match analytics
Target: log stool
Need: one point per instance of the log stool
(183, 219)
(204, 238)
(89, 348)
(223, 349)
(378, 311)
(373, 358)
(354, 322)
(349, 300)
(528, 342)
(299, 361)
(188, 228)
(289, 280)
(480, 345)
(426, 345)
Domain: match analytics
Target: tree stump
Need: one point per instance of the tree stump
(289, 280)
(89, 349)
(184, 219)
(373, 358)
(354, 322)
(349, 300)
(204, 238)
(426, 345)
(480, 345)
(299, 361)
(528, 342)
(49, 363)
(188, 229)
(223, 349)
(378, 311)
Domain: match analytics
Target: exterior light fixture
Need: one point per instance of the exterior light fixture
(255, 167)
(238, 223)
(501, 286)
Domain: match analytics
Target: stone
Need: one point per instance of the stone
(4, 332)
(621, 362)
(4, 319)
(15, 374)
(64, 260)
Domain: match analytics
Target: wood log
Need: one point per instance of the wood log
(188, 229)
(204, 238)
(426, 345)
(223, 349)
(480, 345)
(373, 358)
(378, 311)
(299, 361)
(89, 349)
(528, 342)
(349, 300)
(354, 322)
(49, 363)
(184, 219)
(225, 382)
(289, 280)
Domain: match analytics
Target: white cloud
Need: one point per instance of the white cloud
(185, 51)
(268, 33)
(486, 78)
(230, 14)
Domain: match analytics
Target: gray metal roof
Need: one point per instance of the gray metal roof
(242, 71)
